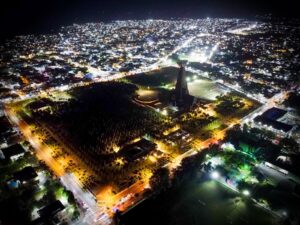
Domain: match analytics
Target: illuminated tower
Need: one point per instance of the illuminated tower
(181, 89)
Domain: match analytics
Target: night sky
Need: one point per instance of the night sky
(32, 16)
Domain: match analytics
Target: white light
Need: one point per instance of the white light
(246, 193)
(215, 175)
(197, 57)
(284, 213)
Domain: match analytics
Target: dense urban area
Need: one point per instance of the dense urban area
(152, 122)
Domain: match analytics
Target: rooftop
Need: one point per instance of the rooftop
(26, 174)
(138, 149)
(51, 209)
(13, 150)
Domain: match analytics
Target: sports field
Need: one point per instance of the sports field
(199, 202)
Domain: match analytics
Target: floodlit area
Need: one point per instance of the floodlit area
(205, 89)
(207, 202)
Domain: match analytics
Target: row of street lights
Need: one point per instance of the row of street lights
(216, 175)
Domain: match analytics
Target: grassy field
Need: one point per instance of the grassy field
(156, 78)
(166, 77)
(198, 202)
(206, 89)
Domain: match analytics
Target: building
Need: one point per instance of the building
(271, 118)
(48, 214)
(26, 174)
(138, 149)
(12, 152)
(5, 126)
(51, 209)
(181, 89)
(182, 97)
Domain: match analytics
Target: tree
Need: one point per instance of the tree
(71, 198)
(289, 144)
(243, 185)
(160, 180)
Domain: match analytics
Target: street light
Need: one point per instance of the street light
(215, 175)
(284, 213)
(246, 192)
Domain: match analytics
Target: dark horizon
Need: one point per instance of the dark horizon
(33, 16)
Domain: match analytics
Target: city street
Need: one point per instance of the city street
(42, 152)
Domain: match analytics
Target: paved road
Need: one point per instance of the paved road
(68, 180)
(94, 214)
(276, 174)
